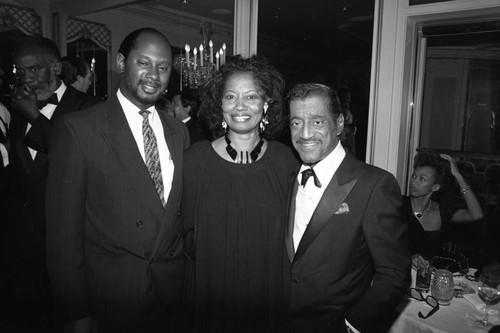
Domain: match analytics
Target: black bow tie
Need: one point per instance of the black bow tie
(52, 100)
(305, 176)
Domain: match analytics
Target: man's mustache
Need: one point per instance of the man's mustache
(155, 84)
(302, 141)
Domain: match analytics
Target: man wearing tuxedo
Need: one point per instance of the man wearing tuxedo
(346, 240)
(114, 243)
(39, 97)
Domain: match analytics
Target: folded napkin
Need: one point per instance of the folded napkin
(476, 301)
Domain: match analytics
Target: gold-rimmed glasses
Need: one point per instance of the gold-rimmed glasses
(431, 301)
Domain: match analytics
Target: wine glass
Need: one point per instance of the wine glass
(488, 290)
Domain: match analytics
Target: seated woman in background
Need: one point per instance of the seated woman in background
(427, 212)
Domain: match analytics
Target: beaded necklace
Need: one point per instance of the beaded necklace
(244, 158)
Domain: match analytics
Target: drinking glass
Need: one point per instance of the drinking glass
(488, 290)
(442, 286)
(423, 278)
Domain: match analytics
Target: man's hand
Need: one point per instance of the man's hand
(24, 102)
(418, 260)
(84, 325)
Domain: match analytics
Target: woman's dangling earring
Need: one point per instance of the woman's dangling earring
(264, 121)
(224, 125)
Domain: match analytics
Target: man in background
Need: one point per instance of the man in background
(39, 97)
(185, 104)
(76, 73)
(114, 241)
(346, 240)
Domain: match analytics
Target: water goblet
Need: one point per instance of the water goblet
(488, 290)
(442, 286)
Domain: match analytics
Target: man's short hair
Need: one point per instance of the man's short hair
(130, 41)
(190, 98)
(72, 67)
(302, 91)
(36, 42)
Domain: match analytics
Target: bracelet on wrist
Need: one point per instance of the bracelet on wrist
(465, 189)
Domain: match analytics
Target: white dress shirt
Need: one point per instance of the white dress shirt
(48, 111)
(134, 120)
(308, 197)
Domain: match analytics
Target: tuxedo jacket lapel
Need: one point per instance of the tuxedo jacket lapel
(290, 249)
(121, 142)
(334, 195)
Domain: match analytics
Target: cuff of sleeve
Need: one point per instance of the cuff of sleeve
(350, 328)
(5, 155)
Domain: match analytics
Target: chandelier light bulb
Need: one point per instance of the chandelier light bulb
(193, 73)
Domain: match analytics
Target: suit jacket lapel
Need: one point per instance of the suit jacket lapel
(290, 249)
(121, 142)
(176, 149)
(21, 149)
(330, 202)
(66, 103)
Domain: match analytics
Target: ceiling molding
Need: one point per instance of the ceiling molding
(81, 7)
(179, 17)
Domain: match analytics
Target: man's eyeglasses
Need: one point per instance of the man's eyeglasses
(416, 294)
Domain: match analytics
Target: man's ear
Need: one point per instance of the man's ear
(79, 79)
(57, 68)
(120, 62)
(340, 124)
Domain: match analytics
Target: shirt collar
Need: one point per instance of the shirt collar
(326, 168)
(60, 91)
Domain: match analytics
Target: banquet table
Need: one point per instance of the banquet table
(458, 317)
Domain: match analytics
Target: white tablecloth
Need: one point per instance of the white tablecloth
(458, 317)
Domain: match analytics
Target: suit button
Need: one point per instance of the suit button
(139, 223)
(295, 280)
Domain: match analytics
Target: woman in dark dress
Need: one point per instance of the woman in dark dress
(428, 216)
(235, 203)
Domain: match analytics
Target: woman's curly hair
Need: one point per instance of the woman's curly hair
(268, 81)
(435, 162)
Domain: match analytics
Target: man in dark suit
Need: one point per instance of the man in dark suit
(38, 98)
(114, 245)
(185, 104)
(346, 239)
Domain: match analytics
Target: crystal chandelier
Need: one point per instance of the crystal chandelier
(197, 65)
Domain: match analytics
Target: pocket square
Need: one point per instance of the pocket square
(343, 209)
